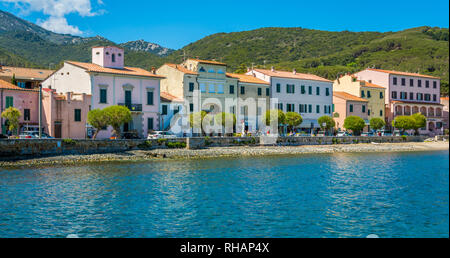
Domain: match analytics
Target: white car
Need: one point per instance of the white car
(161, 135)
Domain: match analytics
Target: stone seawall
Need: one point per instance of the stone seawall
(16, 148)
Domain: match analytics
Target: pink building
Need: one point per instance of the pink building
(25, 100)
(109, 82)
(345, 105)
(445, 108)
(407, 94)
(65, 115)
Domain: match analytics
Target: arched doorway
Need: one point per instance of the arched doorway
(431, 126)
(407, 110)
(423, 110)
(398, 110)
(438, 112)
(415, 110)
(431, 111)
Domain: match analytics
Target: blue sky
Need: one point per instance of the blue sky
(175, 23)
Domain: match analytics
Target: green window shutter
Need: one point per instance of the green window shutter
(150, 123)
(333, 107)
(9, 102)
(77, 115)
(310, 90)
(351, 108)
(149, 97)
(103, 95)
(317, 92)
(303, 89)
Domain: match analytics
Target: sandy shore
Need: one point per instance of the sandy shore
(242, 151)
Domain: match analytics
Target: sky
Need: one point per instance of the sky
(174, 24)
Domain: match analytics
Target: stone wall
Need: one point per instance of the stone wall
(18, 148)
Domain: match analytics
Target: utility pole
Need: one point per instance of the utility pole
(40, 111)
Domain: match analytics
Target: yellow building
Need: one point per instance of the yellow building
(374, 94)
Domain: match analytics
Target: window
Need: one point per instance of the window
(242, 90)
(290, 88)
(202, 69)
(403, 81)
(220, 71)
(310, 90)
(211, 88)
(280, 106)
(327, 91)
(394, 95)
(191, 107)
(317, 108)
(434, 84)
(368, 112)
(191, 86)
(176, 110)
(317, 91)
(427, 84)
(103, 96)
(427, 97)
(278, 88)
(164, 110)
(351, 107)
(434, 97)
(419, 83)
(419, 96)
(211, 70)
(113, 58)
(267, 92)
(150, 97)
(150, 123)
(411, 96)
(259, 91)
(363, 95)
(303, 91)
(231, 89)
(325, 109)
(290, 108)
(381, 112)
(368, 94)
(26, 115)
(363, 108)
(220, 88)
(411, 82)
(309, 108)
(77, 115)
(403, 95)
(202, 87)
(301, 108)
(394, 81)
(9, 101)
(381, 95)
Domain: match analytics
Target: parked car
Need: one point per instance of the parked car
(130, 135)
(368, 134)
(34, 135)
(386, 133)
(161, 135)
(320, 133)
(342, 134)
(398, 133)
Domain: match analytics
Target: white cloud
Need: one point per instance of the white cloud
(57, 10)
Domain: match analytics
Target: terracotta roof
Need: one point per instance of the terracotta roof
(403, 73)
(181, 68)
(132, 71)
(207, 61)
(285, 74)
(371, 85)
(9, 86)
(247, 78)
(415, 102)
(347, 96)
(444, 98)
(166, 97)
(25, 73)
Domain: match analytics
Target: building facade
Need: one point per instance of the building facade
(374, 94)
(26, 78)
(445, 110)
(346, 105)
(309, 95)
(109, 82)
(171, 106)
(25, 100)
(407, 94)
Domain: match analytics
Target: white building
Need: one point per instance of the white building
(309, 95)
(170, 107)
(111, 83)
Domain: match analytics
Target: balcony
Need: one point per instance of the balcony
(132, 107)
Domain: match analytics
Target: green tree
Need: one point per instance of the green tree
(97, 118)
(196, 120)
(328, 121)
(403, 123)
(354, 123)
(116, 116)
(13, 79)
(227, 120)
(242, 69)
(377, 123)
(275, 115)
(12, 114)
(293, 119)
(420, 121)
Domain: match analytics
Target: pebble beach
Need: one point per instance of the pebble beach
(216, 152)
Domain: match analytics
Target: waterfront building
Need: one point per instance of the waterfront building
(109, 82)
(309, 95)
(171, 106)
(346, 104)
(65, 115)
(25, 100)
(374, 94)
(26, 78)
(253, 100)
(445, 110)
(407, 94)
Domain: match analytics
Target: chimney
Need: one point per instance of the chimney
(153, 70)
(294, 71)
(272, 69)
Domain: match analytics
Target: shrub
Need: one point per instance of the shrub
(145, 145)
(404, 123)
(12, 114)
(293, 119)
(377, 123)
(69, 141)
(116, 116)
(176, 145)
(97, 118)
(329, 122)
(354, 123)
(161, 141)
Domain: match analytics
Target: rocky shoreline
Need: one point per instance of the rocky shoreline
(215, 152)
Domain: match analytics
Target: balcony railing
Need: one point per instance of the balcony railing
(132, 107)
